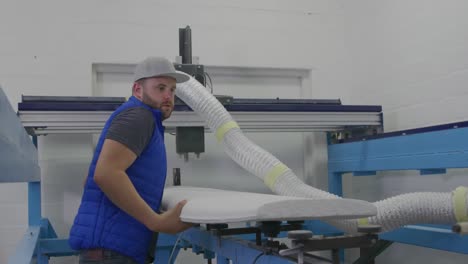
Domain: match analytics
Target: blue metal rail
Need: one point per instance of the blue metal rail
(51, 103)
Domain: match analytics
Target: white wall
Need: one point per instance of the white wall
(48, 48)
(409, 56)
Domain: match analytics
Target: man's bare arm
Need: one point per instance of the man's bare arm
(111, 177)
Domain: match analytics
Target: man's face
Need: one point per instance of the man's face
(158, 93)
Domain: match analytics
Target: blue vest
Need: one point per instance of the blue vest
(101, 224)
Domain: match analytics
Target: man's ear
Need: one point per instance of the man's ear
(137, 90)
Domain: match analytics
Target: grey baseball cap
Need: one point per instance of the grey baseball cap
(158, 67)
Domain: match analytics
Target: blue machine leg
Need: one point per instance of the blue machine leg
(335, 186)
(34, 203)
(41, 258)
(166, 244)
(34, 199)
(222, 260)
(335, 183)
(167, 255)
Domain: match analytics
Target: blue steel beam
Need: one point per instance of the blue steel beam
(47, 230)
(436, 238)
(18, 156)
(56, 247)
(432, 150)
(429, 152)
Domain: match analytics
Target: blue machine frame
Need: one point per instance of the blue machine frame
(430, 150)
(40, 241)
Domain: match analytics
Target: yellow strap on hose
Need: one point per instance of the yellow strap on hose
(459, 204)
(222, 130)
(274, 173)
(363, 221)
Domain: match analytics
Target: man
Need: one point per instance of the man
(125, 183)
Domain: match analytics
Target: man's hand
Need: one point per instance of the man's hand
(169, 222)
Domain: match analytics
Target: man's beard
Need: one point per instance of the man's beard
(153, 104)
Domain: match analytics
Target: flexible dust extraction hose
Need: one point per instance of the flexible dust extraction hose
(412, 208)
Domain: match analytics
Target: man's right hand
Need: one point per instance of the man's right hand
(169, 222)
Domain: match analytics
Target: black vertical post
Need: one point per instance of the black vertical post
(335, 256)
(185, 45)
(176, 176)
(364, 252)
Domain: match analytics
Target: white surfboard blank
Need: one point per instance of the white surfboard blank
(210, 206)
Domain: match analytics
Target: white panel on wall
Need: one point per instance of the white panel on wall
(112, 79)
(257, 82)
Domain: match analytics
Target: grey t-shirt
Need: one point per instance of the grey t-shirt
(133, 127)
